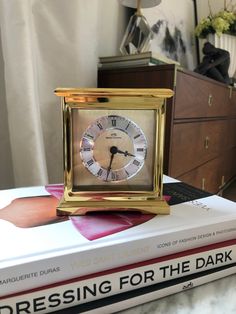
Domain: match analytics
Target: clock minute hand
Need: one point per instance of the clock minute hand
(126, 153)
(109, 167)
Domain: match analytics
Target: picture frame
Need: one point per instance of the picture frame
(173, 24)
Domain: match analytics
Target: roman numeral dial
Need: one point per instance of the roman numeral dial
(113, 148)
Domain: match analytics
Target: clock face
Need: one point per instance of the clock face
(113, 148)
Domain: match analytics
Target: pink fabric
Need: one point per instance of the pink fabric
(97, 225)
(55, 190)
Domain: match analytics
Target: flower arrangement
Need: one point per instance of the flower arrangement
(222, 22)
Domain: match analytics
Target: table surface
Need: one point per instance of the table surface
(217, 297)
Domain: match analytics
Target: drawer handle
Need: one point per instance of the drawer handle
(206, 142)
(203, 183)
(210, 98)
(222, 182)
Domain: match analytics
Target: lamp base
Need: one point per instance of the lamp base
(137, 36)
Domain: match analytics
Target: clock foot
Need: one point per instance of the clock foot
(157, 206)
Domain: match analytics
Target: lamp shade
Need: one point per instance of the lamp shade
(144, 3)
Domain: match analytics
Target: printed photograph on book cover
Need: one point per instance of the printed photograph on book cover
(28, 212)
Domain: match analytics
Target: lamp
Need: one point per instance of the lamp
(138, 32)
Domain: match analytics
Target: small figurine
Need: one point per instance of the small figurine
(215, 63)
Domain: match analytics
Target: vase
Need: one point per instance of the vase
(226, 42)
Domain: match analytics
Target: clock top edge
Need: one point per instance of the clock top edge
(101, 92)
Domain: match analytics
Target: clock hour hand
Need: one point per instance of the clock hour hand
(114, 150)
(126, 153)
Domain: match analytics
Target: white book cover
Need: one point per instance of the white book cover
(146, 275)
(67, 303)
(37, 251)
(140, 296)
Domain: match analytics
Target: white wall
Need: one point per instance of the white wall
(112, 26)
(203, 8)
(110, 19)
(5, 151)
(68, 59)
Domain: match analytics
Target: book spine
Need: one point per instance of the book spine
(128, 63)
(98, 286)
(75, 264)
(130, 57)
(156, 294)
(135, 62)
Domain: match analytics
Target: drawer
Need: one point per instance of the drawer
(196, 97)
(209, 177)
(232, 132)
(233, 103)
(195, 143)
(230, 163)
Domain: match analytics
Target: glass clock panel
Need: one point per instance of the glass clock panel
(113, 149)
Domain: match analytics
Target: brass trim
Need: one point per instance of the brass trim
(157, 206)
(122, 92)
(222, 182)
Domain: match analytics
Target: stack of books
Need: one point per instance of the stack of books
(134, 60)
(103, 263)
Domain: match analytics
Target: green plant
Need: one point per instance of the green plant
(222, 22)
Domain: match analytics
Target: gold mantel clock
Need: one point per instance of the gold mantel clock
(113, 150)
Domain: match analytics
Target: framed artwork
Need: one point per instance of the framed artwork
(173, 24)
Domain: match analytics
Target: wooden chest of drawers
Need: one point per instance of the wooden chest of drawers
(200, 141)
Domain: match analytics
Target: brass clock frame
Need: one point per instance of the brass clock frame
(76, 202)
